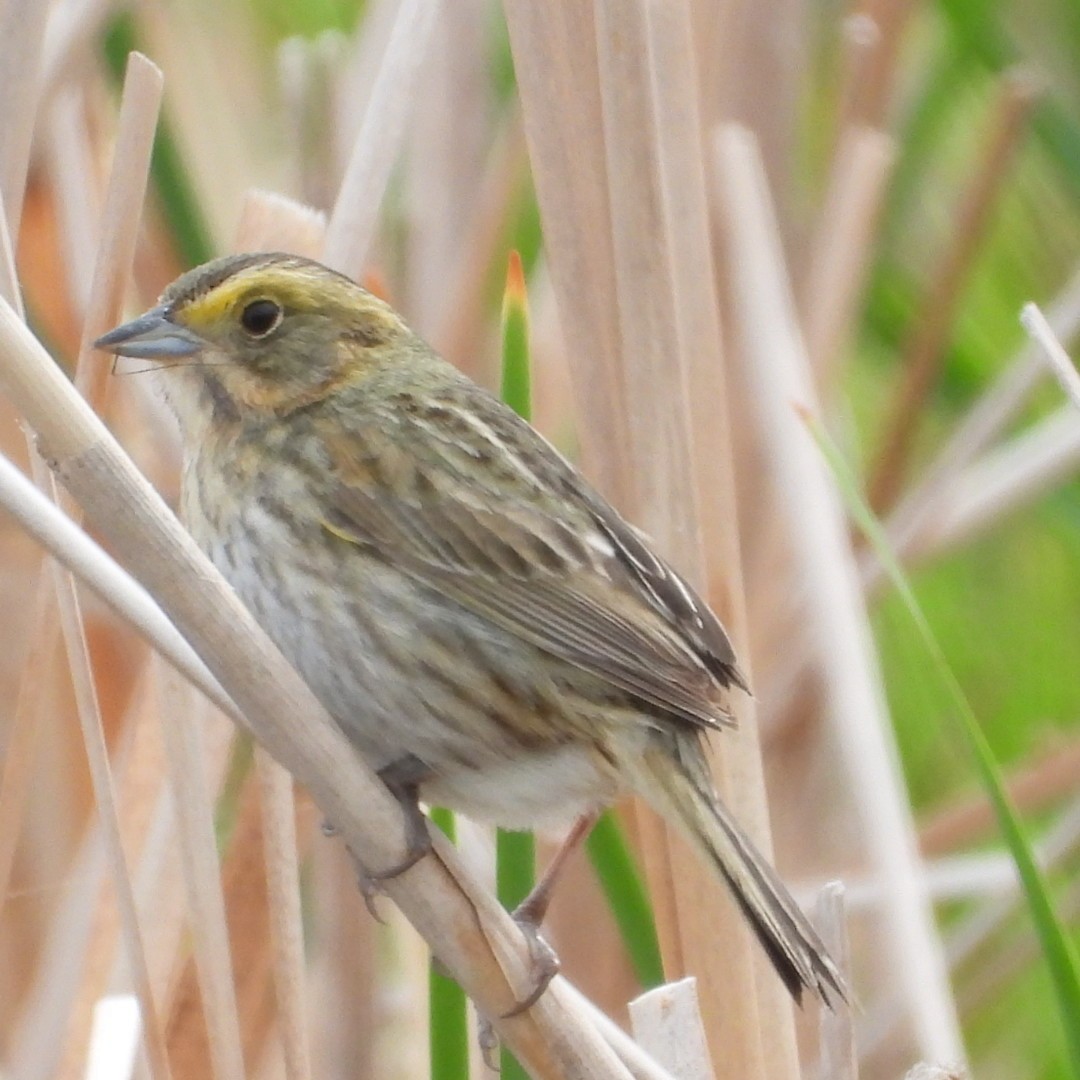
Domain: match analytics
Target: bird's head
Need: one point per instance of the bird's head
(258, 334)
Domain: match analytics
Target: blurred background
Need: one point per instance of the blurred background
(923, 167)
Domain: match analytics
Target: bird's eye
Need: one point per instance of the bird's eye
(260, 317)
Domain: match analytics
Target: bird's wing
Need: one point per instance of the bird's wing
(556, 568)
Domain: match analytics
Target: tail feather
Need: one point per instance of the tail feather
(792, 944)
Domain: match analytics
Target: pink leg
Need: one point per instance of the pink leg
(529, 914)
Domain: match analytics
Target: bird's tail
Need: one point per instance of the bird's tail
(680, 791)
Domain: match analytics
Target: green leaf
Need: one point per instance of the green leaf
(515, 859)
(626, 896)
(516, 372)
(447, 1018)
(1057, 946)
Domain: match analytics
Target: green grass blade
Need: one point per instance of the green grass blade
(447, 1018)
(626, 896)
(1057, 946)
(515, 856)
(516, 386)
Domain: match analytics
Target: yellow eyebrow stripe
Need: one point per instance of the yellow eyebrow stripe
(283, 284)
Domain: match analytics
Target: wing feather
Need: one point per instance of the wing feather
(610, 607)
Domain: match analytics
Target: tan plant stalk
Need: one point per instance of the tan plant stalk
(782, 389)
(352, 222)
(22, 30)
(924, 353)
(842, 248)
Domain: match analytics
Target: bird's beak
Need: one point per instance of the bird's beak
(152, 336)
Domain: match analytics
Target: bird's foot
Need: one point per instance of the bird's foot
(543, 961)
(488, 1042)
(403, 777)
(369, 882)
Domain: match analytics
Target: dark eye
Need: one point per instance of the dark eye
(260, 317)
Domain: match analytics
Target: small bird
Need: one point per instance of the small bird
(491, 635)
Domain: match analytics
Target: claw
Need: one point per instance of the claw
(403, 777)
(369, 889)
(543, 963)
(488, 1042)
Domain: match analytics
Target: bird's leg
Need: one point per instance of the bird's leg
(530, 913)
(403, 777)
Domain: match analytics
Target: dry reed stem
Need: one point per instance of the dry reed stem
(90, 721)
(1000, 405)
(243, 882)
(581, 927)
(119, 921)
(22, 31)
(352, 222)
(161, 889)
(996, 973)
(1032, 787)
(559, 86)
(220, 108)
(661, 311)
(638, 1060)
(925, 351)
(871, 74)
(861, 43)
(97, 753)
(74, 969)
(658, 453)
(115, 1036)
(345, 1028)
(838, 1058)
(763, 61)
(272, 222)
(22, 734)
(138, 118)
(1058, 846)
(968, 937)
(961, 496)
(9, 283)
(140, 104)
(366, 52)
(71, 27)
(1056, 357)
(201, 878)
(36, 1035)
(1007, 478)
(436, 894)
(666, 1022)
(72, 174)
(776, 366)
(69, 545)
(986, 420)
(841, 249)
(39, 667)
(703, 909)
(286, 921)
(447, 146)
(308, 75)
(457, 324)
(554, 51)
